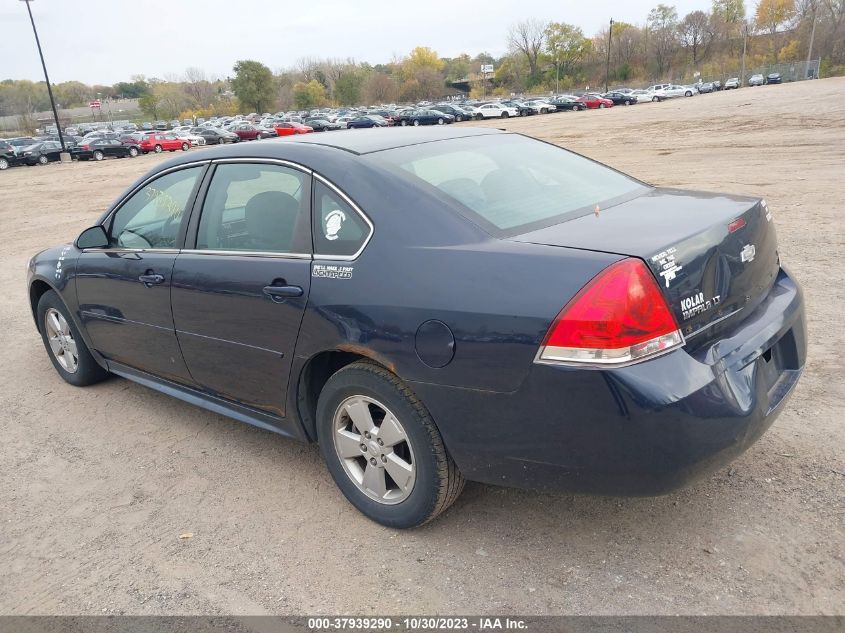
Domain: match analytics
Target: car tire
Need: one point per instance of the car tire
(458, 118)
(133, 152)
(185, 147)
(655, 99)
(478, 117)
(415, 451)
(403, 123)
(43, 160)
(98, 155)
(505, 115)
(61, 333)
(157, 149)
(626, 102)
(440, 121)
(601, 106)
(688, 93)
(544, 110)
(416, 122)
(4, 164)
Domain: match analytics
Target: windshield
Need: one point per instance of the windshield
(510, 183)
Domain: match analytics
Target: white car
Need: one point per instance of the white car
(541, 106)
(643, 96)
(183, 133)
(496, 110)
(756, 80)
(672, 91)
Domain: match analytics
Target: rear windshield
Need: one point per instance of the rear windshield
(510, 184)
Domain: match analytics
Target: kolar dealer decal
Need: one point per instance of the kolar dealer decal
(696, 304)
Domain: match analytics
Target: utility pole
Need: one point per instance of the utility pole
(812, 37)
(64, 156)
(607, 64)
(744, 47)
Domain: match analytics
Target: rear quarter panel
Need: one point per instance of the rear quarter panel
(425, 262)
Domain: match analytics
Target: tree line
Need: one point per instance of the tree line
(540, 57)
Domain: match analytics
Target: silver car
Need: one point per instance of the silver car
(756, 80)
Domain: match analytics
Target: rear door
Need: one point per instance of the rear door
(241, 285)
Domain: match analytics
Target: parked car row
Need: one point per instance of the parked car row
(129, 140)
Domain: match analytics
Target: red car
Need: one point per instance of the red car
(595, 101)
(158, 142)
(249, 132)
(287, 128)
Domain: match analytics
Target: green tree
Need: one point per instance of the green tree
(729, 11)
(71, 94)
(565, 47)
(253, 85)
(309, 95)
(457, 67)
(131, 89)
(149, 105)
(347, 87)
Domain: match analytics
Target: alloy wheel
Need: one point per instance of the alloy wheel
(62, 343)
(374, 449)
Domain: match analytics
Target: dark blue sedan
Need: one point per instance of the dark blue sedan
(433, 306)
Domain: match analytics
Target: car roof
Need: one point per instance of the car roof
(361, 142)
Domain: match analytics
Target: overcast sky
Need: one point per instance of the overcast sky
(106, 41)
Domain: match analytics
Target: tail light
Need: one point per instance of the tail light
(619, 317)
(84, 147)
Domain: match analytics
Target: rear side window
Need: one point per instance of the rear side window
(256, 207)
(510, 184)
(338, 229)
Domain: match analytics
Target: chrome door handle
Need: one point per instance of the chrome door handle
(151, 279)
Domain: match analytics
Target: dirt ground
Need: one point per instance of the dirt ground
(97, 484)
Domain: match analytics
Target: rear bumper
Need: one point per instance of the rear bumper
(639, 430)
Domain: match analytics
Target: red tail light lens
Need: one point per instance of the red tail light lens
(619, 317)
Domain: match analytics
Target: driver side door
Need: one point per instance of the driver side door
(124, 289)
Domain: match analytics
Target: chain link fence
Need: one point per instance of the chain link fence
(789, 71)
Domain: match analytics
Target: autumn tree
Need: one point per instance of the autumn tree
(527, 38)
(380, 88)
(662, 26)
(696, 34)
(253, 85)
(772, 14)
(198, 87)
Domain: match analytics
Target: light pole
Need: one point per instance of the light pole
(744, 46)
(812, 37)
(64, 156)
(607, 65)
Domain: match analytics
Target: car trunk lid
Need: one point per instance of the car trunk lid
(714, 255)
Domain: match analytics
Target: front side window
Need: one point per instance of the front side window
(509, 184)
(151, 217)
(338, 229)
(256, 207)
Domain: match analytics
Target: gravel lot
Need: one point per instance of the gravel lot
(97, 484)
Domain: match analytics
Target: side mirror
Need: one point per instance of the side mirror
(95, 237)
